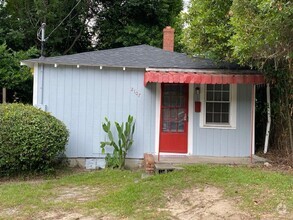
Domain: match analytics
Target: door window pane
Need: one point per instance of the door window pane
(173, 114)
(166, 113)
(165, 126)
(166, 100)
(181, 126)
(181, 114)
(173, 101)
(181, 101)
(173, 126)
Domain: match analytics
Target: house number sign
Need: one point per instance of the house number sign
(135, 92)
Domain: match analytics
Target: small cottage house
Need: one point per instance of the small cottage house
(182, 105)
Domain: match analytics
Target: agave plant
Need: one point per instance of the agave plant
(121, 144)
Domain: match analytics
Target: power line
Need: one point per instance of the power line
(63, 20)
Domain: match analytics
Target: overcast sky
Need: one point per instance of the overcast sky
(185, 4)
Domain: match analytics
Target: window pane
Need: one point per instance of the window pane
(209, 117)
(218, 96)
(217, 117)
(225, 118)
(225, 107)
(210, 107)
(225, 96)
(218, 87)
(173, 126)
(217, 107)
(210, 96)
(210, 87)
(226, 87)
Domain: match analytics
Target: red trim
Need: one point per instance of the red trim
(202, 78)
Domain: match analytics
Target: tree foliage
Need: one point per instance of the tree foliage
(124, 23)
(263, 31)
(208, 30)
(263, 37)
(103, 24)
(12, 75)
(22, 19)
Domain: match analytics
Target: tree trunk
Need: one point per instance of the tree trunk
(4, 91)
(289, 124)
(288, 108)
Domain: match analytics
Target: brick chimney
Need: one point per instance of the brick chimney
(168, 38)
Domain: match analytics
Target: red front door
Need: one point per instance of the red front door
(174, 118)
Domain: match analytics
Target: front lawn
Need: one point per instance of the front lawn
(113, 194)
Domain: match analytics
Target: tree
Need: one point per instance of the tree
(12, 75)
(208, 29)
(106, 24)
(124, 23)
(263, 37)
(22, 19)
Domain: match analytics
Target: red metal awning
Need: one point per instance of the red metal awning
(202, 77)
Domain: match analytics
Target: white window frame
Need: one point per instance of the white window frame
(232, 112)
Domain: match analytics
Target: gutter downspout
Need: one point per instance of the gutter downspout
(269, 119)
(252, 129)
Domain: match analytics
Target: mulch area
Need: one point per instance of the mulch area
(278, 161)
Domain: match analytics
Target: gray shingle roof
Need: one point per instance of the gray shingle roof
(142, 56)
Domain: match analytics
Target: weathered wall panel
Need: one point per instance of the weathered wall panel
(83, 97)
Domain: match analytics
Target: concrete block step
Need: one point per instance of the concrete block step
(166, 167)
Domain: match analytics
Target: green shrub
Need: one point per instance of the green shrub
(30, 139)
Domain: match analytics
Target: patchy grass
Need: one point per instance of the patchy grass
(124, 194)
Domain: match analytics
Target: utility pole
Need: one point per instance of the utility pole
(43, 38)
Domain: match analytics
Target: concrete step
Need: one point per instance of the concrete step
(166, 167)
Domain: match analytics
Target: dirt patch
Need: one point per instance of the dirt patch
(205, 203)
(72, 216)
(76, 194)
(9, 212)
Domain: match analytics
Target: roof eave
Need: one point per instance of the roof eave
(30, 63)
(199, 70)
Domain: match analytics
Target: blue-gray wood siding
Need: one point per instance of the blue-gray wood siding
(227, 142)
(83, 97)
